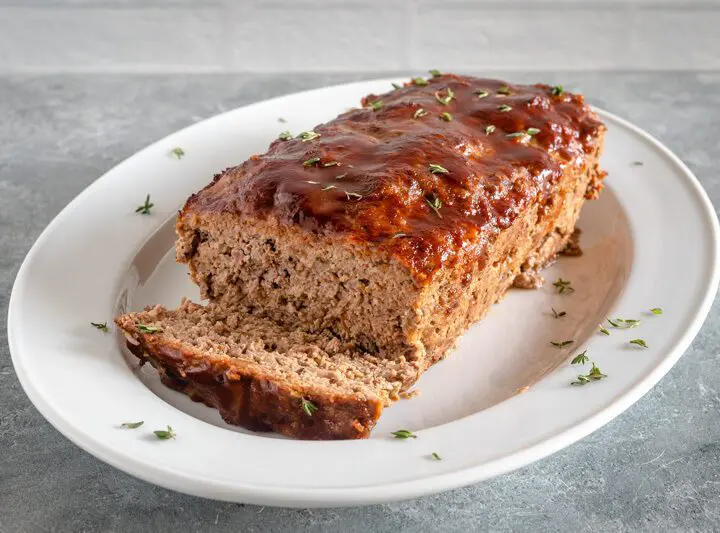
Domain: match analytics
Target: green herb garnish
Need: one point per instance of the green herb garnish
(481, 93)
(145, 208)
(604, 330)
(445, 100)
(622, 323)
(403, 434)
(594, 375)
(563, 286)
(437, 169)
(639, 342)
(420, 113)
(435, 204)
(309, 407)
(165, 434)
(504, 108)
(656, 311)
(101, 326)
(285, 136)
(435, 73)
(132, 425)
(529, 131)
(561, 344)
(447, 117)
(143, 328)
(504, 90)
(377, 104)
(308, 135)
(580, 359)
(489, 129)
(311, 162)
(396, 86)
(177, 152)
(557, 90)
(436, 456)
(558, 315)
(420, 82)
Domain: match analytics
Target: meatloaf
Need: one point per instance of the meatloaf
(398, 224)
(262, 376)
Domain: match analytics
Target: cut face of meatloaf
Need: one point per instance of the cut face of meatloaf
(395, 226)
(263, 377)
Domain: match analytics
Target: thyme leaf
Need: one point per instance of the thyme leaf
(309, 407)
(580, 359)
(165, 434)
(639, 342)
(445, 100)
(594, 375)
(437, 169)
(308, 135)
(404, 434)
(143, 328)
(563, 286)
(435, 204)
(145, 208)
(561, 344)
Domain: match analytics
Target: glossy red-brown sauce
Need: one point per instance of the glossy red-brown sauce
(381, 188)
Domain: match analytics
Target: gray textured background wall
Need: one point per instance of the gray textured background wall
(41, 36)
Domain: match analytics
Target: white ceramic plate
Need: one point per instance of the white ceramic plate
(651, 240)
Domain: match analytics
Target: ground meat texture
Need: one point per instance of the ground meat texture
(259, 375)
(393, 228)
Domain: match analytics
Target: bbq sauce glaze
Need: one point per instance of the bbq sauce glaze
(429, 172)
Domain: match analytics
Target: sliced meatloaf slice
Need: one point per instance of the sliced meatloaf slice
(263, 377)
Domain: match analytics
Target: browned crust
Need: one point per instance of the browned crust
(368, 175)
(247, 398)
(457, 300)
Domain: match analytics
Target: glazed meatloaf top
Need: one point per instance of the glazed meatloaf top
(430, 172)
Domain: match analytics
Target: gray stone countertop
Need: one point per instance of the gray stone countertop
(654, 468)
